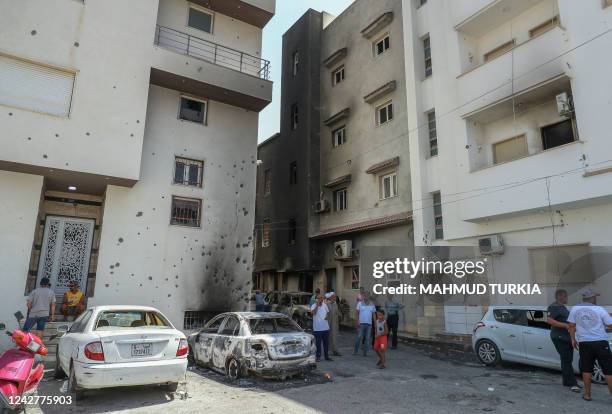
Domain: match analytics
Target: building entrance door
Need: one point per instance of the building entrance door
(65, 252)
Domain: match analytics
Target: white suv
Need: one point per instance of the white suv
(520, 334)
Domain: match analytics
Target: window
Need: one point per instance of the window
(186, 212)
(213, 325)
(296, 63)
(500, 50)
(262, 326)
(544, 27)
(438, 222)
(195, 319)
(382, 45)
(427, 55)
(388, 186)
(192, 110)
(293, 173)
(338, 75)
(340, 199)
(538, 319)
(294, 117)
(188, 172)
(339, 136)
(511, 316)
(201, 20)
(433, 133)
(355, 277)
(292, 231)
(35, 87)
(267, 182)
(510, 149)
(80, 323)
(384, 113)
(111, 320)
(558, 134)
(231, 327)
(265, 233)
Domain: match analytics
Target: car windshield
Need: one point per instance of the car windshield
(272, 325)
(127, 319)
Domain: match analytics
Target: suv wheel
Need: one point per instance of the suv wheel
(487, 352)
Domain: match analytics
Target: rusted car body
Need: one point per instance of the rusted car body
(267, 344)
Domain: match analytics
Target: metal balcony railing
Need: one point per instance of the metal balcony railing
(211, 52)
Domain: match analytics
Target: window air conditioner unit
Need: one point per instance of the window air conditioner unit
(321, 206)
(565, 106)
(343, 249)
(491, 245)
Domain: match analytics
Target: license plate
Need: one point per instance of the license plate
(141, 350)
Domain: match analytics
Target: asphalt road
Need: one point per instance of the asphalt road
(419, 379)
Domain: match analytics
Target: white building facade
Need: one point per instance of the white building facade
(508, 103)
(128, 150)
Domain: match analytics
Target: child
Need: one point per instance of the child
(381, 330)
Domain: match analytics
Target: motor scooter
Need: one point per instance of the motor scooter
(21, 369)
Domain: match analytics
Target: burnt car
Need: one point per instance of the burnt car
(267, 344)
(296, 305)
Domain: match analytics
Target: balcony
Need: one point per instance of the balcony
(477, 17)
(530, 63)
(196, 66)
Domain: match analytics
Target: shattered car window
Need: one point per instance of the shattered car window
(261, 326)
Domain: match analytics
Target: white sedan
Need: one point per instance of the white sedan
(112, 346)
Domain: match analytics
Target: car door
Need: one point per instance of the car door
(70, 341)
(509, 332)
(204, 341)
(224, 343)
(539, 349)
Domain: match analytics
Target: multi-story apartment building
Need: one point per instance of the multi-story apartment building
(507, 108)
(340, 175)
(128, 150)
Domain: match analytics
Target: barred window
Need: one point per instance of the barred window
(188, 172)
(265, 233)
(433, 133)
(438, 220)
(267, 182)
(427, 55)
(186, 211)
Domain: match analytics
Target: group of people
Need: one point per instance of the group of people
(375, 325)
(583, 329)
(41, 305)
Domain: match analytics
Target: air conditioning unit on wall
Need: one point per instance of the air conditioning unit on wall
(343, 249)
(491, 245)
(321, 206)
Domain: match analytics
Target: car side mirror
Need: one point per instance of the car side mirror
(62, 328)
(2, 326)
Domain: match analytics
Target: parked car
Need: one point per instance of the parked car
(268, 344)
(520, 334)
(111, 346)
(296, 305)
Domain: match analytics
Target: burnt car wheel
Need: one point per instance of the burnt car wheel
(488, 353)
(233, 370)
(598, 375)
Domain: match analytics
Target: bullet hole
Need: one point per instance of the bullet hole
(139, 214)
(169, 294)
(66, 164)
(152, 153)
(237, 259)
(200, 69)
(107, 285)
(153, 208)
(154, 244)
(241, 185)
(140, 284)
(176, 277)
(114, 87)
(76, 44)
(87, 133)
(163, 197)
(112, 273)
(244, 262)
(29, 138)
(56, 135)
(234, 165)
(138, 121)
(131, 135)
(44, 155)
(117, 264)
(150, 277)
(10, 114)
(112, 266)
(139, 233)
(33, 32)
(132, 274)
(120, 239)
(222, 247)
(176, 286)
(166, 279)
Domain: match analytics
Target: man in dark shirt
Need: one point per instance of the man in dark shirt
(559, 334)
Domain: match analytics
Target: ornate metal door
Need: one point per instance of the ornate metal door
(66, 252)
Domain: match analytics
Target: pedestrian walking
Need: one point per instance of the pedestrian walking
(392, 308)
(320, 327)
(587, 327)
(381, 341)
(334, 322)
(364, 312)
(560, 336)
(41, 308)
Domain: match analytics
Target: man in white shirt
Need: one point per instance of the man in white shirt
(587, 326)
(320, 327)
(363, 316)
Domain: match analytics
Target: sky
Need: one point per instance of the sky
(287, 13)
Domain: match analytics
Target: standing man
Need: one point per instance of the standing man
(313, 298)
(560, 336)
(587, 327)
(39, 302)
(334, 321)
(260, 301)
(392, 308)
(320, 327)
(363, 316)
(73, 303)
